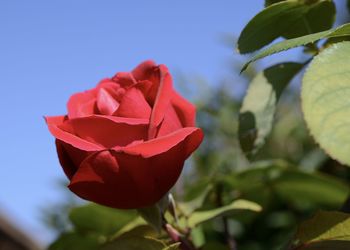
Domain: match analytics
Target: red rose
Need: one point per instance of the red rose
(123, 144)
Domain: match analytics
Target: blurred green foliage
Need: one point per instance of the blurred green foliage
(221, 192)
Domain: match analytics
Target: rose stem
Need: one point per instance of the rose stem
(229, 238)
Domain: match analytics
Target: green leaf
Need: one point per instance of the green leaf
(75, 241)
(214, 245)
(318, 16)
(135, 243)
(96, 218)
(301, 187)
(188, 207)
(270, 2)
(140, 230)
(326, 230)
(137, 222)
(140, 237)
(259, 104)
(288, 18)
(343, 30)
(326, 103)
(275, 180)
(203, 216)
(197, 236)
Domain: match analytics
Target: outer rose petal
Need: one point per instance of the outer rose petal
(107, 131)
(184, 109)
(162, 144)
(53, 123)
(121, 180)
(70, 157)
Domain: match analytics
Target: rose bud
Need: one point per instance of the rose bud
(123, 144)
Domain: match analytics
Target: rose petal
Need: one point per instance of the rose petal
(101, 179)
(98, 167)
(54, 122)
(130, 180)
(134, 105)
(162, 101)
(114, 89)
(170, 123)
(194, 137)
(125, 79)
(144, 71)
(106, 103)
(82, 104)
(70, 157)
(107, 131)
(185, 110)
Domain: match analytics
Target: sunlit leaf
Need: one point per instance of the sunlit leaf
(326, 100)
(203, 216)
(343, 30)
(259, 104)
(197, 236)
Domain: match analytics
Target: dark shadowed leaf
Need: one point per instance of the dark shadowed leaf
(326, 230)
(290, 184)
(297, 186)
(317, 17)
(214, 245)
(259, 104)
(288, 18)
(135, 243)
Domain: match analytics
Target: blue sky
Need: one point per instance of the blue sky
(52, 49)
